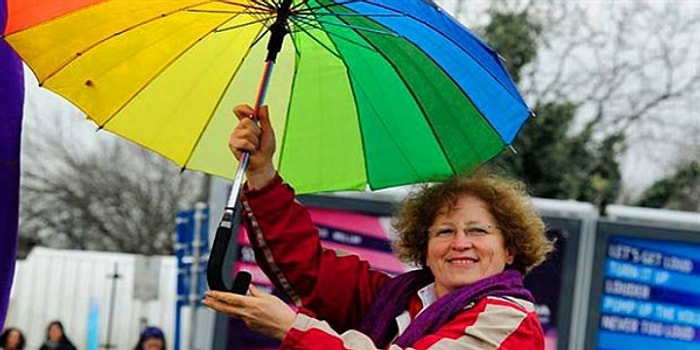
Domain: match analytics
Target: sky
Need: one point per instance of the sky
(641, 166)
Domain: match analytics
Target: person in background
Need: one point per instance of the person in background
(12, 339)
(473, 238)
(152, 338)
(56, 338)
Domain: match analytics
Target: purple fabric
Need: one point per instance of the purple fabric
(11, 104)
(393, 299)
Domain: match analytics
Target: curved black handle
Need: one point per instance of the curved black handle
(241, 282)
(217, 257)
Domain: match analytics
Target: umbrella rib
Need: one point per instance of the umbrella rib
(136, 93)
(347, 69)
(213, 111)
(415, 98)
(300, 4)
(260, 20)
(312, 11)
(265, 3)
(369, 30)
(356, 28)
(289, 107)
(386, 127)
(316, 26)
(342, 3)
(260, 12)
(337, 55)
(266, 7)
(97, 43)
(368, 15)
(260, 36)
(452, 40)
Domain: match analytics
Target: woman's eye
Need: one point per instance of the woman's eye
(445, 231)
(477, 231)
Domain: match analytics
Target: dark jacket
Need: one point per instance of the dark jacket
(62, 345)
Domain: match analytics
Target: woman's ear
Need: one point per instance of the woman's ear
(510, 257)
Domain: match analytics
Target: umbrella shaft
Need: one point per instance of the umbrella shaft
(228, 226)
(243, 164)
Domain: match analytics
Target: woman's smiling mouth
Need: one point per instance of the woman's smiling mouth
(462, 261)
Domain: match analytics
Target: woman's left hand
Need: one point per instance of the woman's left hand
(262, 312)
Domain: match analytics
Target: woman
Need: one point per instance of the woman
(12, 339)
(56, 338)
(152, 338)
(472, 237)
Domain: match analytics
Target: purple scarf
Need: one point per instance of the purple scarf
(393, 299)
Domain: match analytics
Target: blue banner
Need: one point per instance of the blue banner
(191, 247)
(650, 295)
(189, 224)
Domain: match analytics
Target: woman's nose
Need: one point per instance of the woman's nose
(461, 240)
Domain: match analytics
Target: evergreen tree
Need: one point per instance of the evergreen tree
(552, 159)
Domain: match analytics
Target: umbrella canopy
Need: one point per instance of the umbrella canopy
(376, 92)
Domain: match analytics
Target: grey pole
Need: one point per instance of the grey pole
(114, 276)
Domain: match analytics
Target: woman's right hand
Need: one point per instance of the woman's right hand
(262, 312)
(258, 140)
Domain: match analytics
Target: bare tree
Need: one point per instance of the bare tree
(101, 195)
(632, 68)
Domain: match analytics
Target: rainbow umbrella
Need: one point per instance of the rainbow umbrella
(371, 93)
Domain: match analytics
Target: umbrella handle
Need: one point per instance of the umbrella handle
(229, 224)
(218, 256)
(215, 265)
(231, 219)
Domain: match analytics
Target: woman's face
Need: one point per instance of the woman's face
(153, 344)
(465, 245)
(55, 332)
(13, 339)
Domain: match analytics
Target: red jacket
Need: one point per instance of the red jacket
(338, 290)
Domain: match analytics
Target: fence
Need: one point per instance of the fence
(79, 288)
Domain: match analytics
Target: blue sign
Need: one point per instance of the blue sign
(192, 243)
(651, 295)
(192, 253)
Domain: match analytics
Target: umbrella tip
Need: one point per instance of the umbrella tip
(433, 4)
(512, 149)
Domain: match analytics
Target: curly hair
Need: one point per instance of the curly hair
(506, 199)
